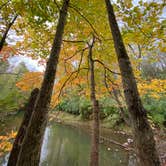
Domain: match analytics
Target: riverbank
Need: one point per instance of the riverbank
(70, 119)
(108, 130)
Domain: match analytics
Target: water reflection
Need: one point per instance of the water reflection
(69, 146)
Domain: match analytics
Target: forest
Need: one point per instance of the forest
(82, 83)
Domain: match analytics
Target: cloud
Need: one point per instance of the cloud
(31, 64)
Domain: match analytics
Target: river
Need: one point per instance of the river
(68, 146)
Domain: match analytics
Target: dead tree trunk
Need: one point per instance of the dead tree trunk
(143, 134)
(94, 156)
(2, 42)
(21, 133)
(31, 148)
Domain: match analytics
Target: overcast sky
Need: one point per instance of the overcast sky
(32, 65)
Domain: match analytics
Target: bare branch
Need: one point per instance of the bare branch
(69, 77)
(73, 41)
(96, 60)
(116, 143)
(132, 49)
(140, 51)
(10, 73)
(4, 4)
(79, 65)
(114, 95)
(57, 5)
(75, 53)
(6, 32)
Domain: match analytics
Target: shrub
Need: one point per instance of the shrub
(108, 106)
(156, 109)
(85, 108)
(70, 105)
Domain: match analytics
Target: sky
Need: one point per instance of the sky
(14, 61)
(31, 64)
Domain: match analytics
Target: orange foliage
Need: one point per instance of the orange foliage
(30, 80)
(6, 52)
(61, 85)
(5, 142)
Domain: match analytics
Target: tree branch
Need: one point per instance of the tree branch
(96, 60)
(6, 32)
(4, 4)
(9, 73)
(69, 77)
(73, 41)
(76, 52)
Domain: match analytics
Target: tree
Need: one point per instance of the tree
(11, 98)
(9, 17)
(2, 41)
(31, 147)
(143, 135)
(21, 133)
(94, 157)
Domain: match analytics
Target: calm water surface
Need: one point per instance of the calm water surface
(67, 146)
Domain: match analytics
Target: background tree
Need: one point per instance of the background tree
(94, 160)
(143, 135)
(21, 133)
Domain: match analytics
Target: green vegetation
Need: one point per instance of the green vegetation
(11, 98)
(156, 110)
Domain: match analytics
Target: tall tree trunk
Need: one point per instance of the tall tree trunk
(94, 156)
(31, 148)
(143, 134)
(2, 42)
(21, 133)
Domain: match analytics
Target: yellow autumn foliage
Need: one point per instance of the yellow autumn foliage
(156, 88)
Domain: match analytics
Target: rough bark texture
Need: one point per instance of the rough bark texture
(143, 135)
(94, 157)
(2, 42)
(31, 148)
(21, 133)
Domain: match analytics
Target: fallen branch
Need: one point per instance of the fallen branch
(116, 143)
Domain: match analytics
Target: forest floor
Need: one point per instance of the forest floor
(108, 131)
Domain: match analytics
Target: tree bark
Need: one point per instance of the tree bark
(21, 133)
(94, 156)
(143, 135)
(2, 42)
(31, 148)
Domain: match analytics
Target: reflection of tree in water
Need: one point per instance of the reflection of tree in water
(67, 146)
